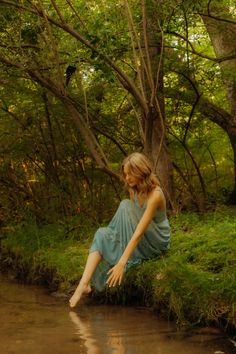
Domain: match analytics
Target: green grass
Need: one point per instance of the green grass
(49, 253)
(195, 282)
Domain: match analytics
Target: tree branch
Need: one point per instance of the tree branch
(216, 60)
(216, 18)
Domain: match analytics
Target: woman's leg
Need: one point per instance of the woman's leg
(93, 261)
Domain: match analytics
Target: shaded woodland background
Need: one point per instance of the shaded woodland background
(84, 83)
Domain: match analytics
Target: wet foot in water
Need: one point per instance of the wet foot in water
(81, 290)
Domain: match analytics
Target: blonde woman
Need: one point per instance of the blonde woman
(138, 231)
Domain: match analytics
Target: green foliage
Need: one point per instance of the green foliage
(46, 168)
(212, 154)
(198, 275)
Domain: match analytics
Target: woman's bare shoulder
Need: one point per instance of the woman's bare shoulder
(157, 196)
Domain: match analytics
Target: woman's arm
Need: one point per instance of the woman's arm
(116, 273)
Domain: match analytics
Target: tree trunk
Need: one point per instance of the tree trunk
(232, 136)
(152, 44)
(222, 33)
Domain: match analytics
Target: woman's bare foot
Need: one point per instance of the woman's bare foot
(82, 289)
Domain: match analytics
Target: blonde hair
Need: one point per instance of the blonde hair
(141, 168)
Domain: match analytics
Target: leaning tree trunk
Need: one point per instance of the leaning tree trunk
(222, 31)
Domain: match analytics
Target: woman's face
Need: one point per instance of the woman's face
(129, 178)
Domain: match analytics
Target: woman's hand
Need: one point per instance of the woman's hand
(116, 274)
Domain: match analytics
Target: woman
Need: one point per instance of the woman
(139, 230)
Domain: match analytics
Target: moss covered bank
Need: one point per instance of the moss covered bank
(195, 282)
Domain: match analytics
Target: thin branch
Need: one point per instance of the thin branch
(38, 165)
(54, 47)
(187, 36)
(156, 101)
(216, 60)
(215, 166)
(159, 64)
(76, 13)
(190, 118)
(216, 18)
(177, 168)
(133, 30)
(13, 115)
(108, 136)
(21, 46)
(157, 105)
(198, 95)
(137, 115)
(58, 11)
(190, 80)
(201, 180)
(145, 38)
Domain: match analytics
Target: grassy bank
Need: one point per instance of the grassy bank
(195, 282)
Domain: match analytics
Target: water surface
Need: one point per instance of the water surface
(32, 321)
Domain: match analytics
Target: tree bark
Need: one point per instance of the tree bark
(223, 37)
(155, 143)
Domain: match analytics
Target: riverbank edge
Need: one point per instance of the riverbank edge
(194, 283)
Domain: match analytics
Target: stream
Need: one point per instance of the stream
(35, 322)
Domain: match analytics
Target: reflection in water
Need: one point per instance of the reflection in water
(34, 322)
(120, 330)
(114, 342)
(84, 331)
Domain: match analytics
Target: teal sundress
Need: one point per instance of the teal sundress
(112, 240)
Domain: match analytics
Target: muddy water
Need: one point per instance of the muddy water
(33, 322)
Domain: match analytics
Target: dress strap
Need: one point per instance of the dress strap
(158, 188)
